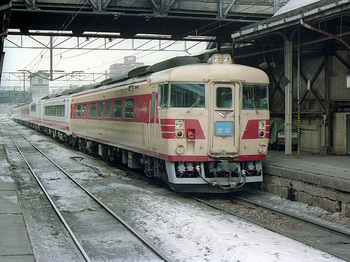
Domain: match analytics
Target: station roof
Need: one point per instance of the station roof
(176, 20)
(297, 12)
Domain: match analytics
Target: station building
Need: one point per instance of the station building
(304, 48)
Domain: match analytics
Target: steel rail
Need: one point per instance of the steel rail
(146, 242)
(70, 231)
(294, 216)
(274, 229)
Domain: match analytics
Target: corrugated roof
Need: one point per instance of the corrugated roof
(306, 10)
(293, 5)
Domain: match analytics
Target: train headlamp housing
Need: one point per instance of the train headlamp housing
(179, 124)
(220, 59)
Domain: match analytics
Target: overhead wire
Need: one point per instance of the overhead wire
(96, 33)
(171, 42)
(44, 51)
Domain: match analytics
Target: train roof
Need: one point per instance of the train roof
(178, 63)
(137, 72)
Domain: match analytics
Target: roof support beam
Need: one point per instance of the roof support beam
(161, 9)
(99, 6)
(31, 4)
(223, 13)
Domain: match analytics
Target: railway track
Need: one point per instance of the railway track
(84, 220)
(164, 212)
(306, 230)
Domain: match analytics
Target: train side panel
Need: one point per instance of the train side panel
(199, 127)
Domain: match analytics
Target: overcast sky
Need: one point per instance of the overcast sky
(91, 60)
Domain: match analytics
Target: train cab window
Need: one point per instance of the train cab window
(129, 108)
(163, 95)
(100, 109)
(33, 107)
(83, 110)
(78, 110)
(117, 108)
(188, 95)
(93, 109)
(108, 109)
(224, 97)
(255, 97)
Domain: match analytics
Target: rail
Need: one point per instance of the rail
(141, 238)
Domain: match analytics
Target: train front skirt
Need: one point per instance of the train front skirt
(213, 177)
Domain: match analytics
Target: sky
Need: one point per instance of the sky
(95, 58)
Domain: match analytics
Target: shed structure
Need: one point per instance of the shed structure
(304, 48)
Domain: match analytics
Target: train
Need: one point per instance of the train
(196, 126)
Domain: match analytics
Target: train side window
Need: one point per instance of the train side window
(224, 97)
(100, 109)
(117, 109)
(163, 95)
(93, 109)
(78, 110)
(83, 110)
(153, 105)
(108, 109)
(129, 108)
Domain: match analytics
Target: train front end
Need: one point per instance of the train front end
(217, 126)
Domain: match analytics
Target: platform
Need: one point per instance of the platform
(314, 179)
(14, 242)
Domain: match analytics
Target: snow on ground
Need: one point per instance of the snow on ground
(294, 4)
(185, 229)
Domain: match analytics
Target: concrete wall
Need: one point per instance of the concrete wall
(329, 193)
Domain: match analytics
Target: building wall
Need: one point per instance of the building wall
(122, 68)
(319, 134)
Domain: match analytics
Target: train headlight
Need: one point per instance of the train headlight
(261, 124)
(226, 59)
(179, 124)
(216, 59)
(220, 59)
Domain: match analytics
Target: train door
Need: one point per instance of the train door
(224, 120)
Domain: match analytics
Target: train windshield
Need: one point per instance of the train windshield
(182, 95)
(187, 95)
(255, 96)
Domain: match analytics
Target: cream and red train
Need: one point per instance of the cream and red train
(199, 127)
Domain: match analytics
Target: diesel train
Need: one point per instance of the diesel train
(199, 127)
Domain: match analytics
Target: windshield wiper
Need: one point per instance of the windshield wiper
(194, 104)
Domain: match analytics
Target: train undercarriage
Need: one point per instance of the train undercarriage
(220, 176)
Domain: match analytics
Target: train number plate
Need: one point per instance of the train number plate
(224, 128)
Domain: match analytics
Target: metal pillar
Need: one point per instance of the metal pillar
(288, 72)
(51, 58)
(298, 95)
